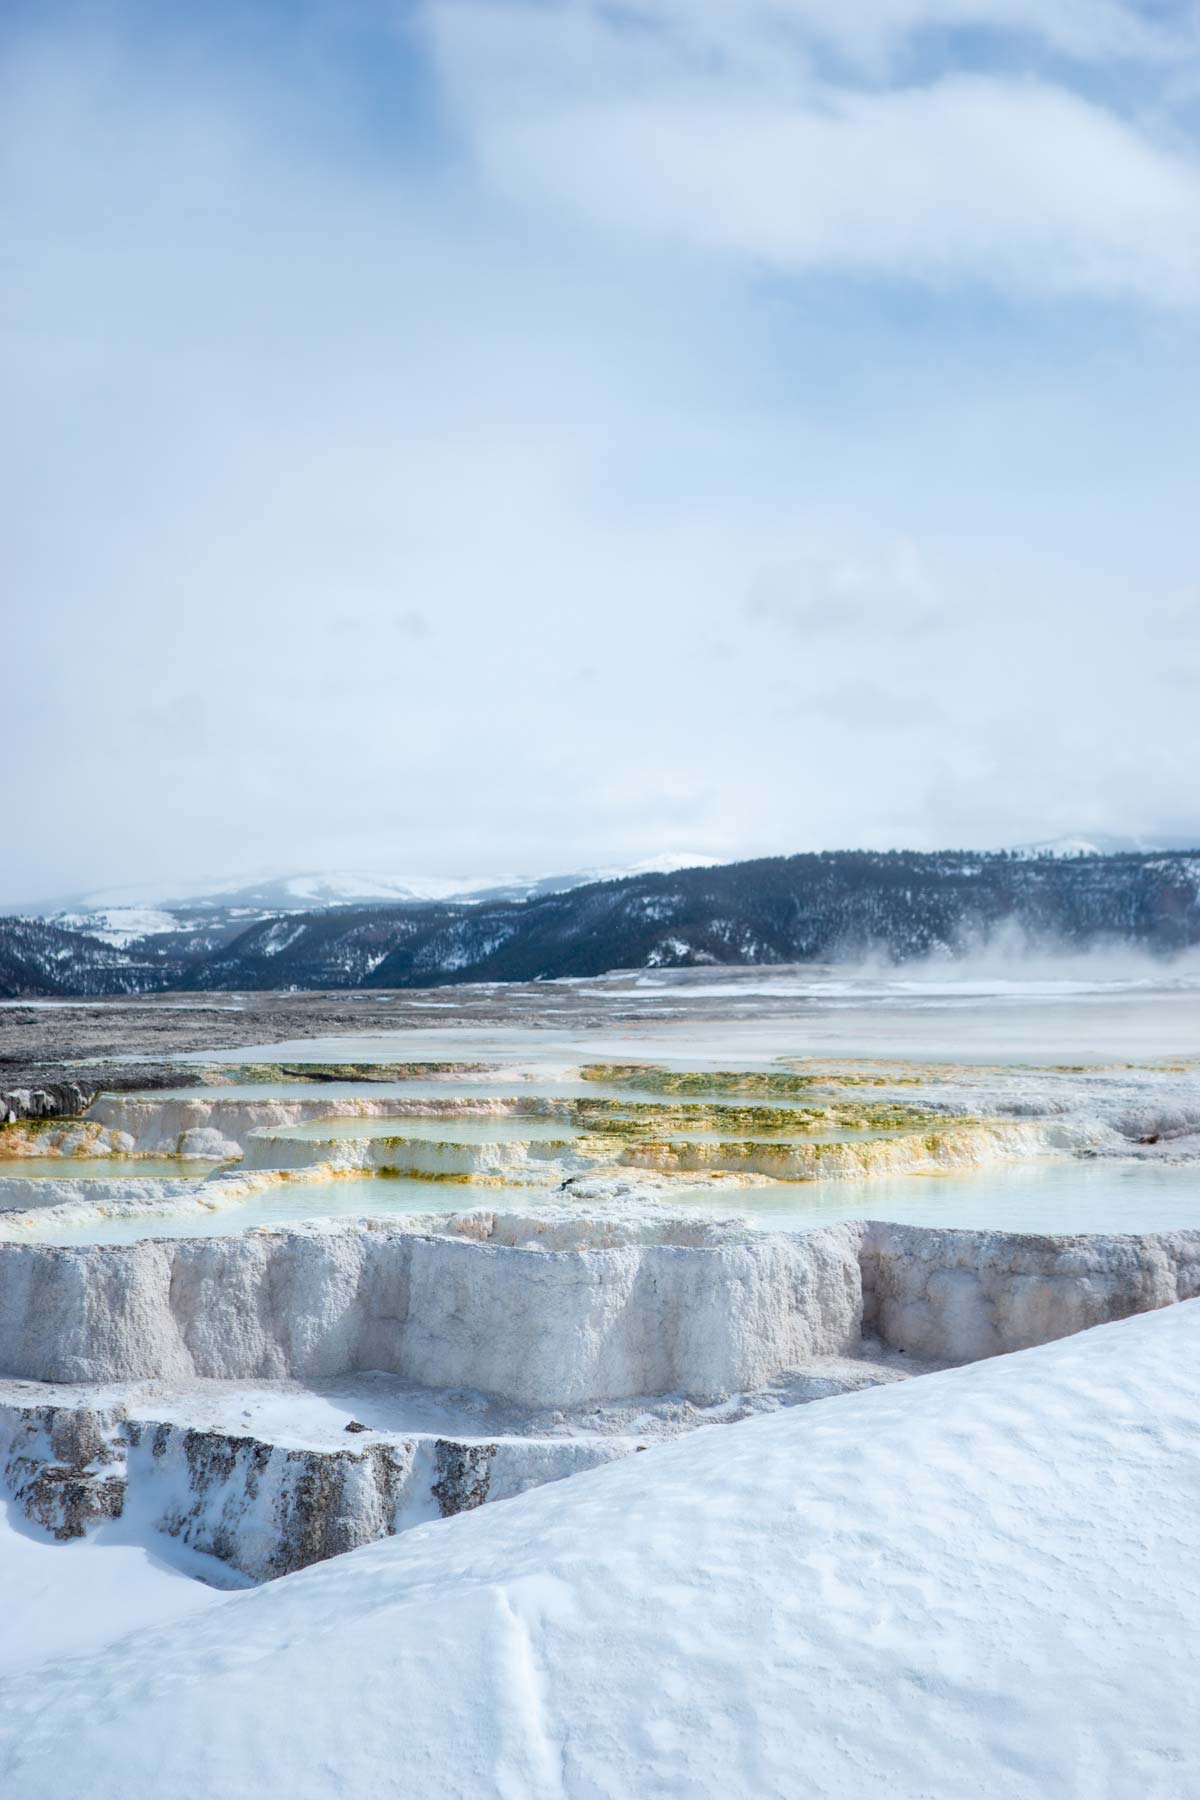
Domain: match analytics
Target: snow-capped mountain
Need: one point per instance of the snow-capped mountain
(1100, 843)
(124, 915)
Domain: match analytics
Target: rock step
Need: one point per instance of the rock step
(266, 1506)
(263, 1508)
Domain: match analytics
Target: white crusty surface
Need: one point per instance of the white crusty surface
(707, 1313)
(963, 1295)
(555, 1312)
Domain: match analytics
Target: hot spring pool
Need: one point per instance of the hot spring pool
(1056, 1196)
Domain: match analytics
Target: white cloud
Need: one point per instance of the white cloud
(703, 562)
(1018, 184)
(891, 596)
(872, 32)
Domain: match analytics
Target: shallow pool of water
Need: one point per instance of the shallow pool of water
(295, 1202)
(1049, 1196)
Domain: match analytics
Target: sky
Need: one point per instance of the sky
(531, 434)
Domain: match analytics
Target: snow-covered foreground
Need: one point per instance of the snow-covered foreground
(62, 1599)
(984, 1582)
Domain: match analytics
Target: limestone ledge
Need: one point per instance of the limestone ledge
(552, 1311)
(966, 1295)
(263, 1509)
(453, 1303)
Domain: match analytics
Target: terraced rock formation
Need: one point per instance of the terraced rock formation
(280, 1395)
(262, 1507)
(546, 1314)
(570, 1342)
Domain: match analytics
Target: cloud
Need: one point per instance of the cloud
(411, 623)
(890, 597)
(375, 495)
(872, 34)
(1019, 183)
(879, 711)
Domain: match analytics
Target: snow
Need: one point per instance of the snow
(64, 1600)
(119, 925)
(339, 888)
(1098, 844)
(984, 1582)
(313, 1415)
(278, 938)
(667, 864)
(118, 915)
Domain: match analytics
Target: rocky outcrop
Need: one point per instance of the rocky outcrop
(54, 1100)
(427, 1154)
(492, 1303)
(37, 1136)
(464, 1474)
(848, 1159)
(263, 1508)
(157, 1126)
(544, 1312)
(62, 1466)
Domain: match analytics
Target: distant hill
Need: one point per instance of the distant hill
(215, 909)
(837, 904)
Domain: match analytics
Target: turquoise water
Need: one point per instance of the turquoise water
(1049, 1196)
(296, 1202)
(1045, 1196)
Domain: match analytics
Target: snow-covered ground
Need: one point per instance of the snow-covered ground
(984, 1582)
(62, 1600)
(119, 925)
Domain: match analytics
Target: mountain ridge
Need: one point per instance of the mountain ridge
(820, 906)
(122, 916)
